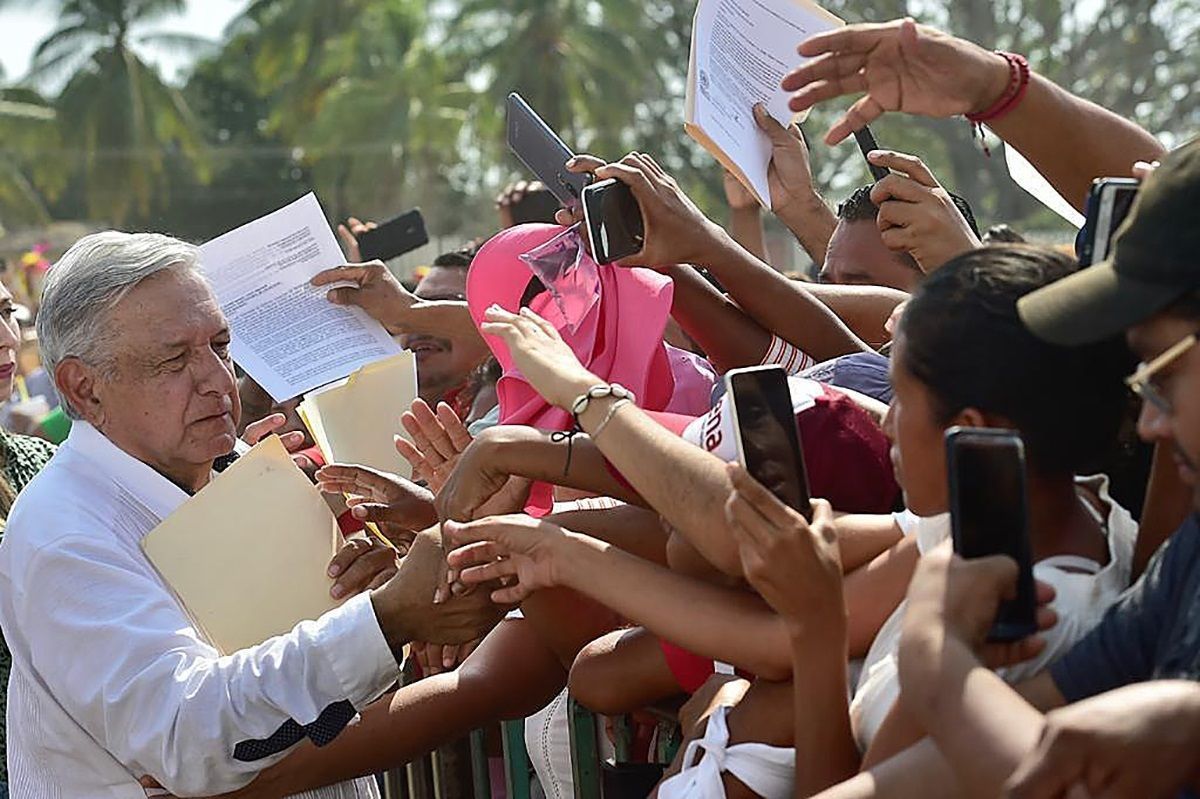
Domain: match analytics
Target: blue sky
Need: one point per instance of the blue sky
(22, 28)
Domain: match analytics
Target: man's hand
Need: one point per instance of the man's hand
(400, 508)
(506, 547)
(917, 215)
(676, 231)
(360, 565)
(737, 195)
(437, 441)
(407, 612)
(902, 66)
(436, 658)
(293, 442)
(1136, 742)
(794, 565)
(373, 288)
(537, 349)
(477, 487)
(790, 174)
(349, 234)
(956, 598)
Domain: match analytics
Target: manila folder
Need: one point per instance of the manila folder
(356, 421)
(246, 556)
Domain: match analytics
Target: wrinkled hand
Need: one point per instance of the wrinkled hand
(1135, 742)
(959, 598)
(293, 442)
(902, 66)
(676, 231)
(506, 547)
(374, 289)
(437, 441)
(360, 565)
(436, 658)
(790, 173)
(917, 215)
(548, 364)
(349, 234)
(397, 506)
(794, 565)
(406, 606)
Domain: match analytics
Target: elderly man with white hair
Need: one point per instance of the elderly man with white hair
(112, 687)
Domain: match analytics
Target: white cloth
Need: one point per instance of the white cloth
(768, 771)
(1083, 591)
(548, 743)
(110, 680)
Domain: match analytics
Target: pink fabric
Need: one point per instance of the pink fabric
(620, 340)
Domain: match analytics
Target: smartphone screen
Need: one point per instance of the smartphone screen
(541, 150)
(614, 221)
(989, 514)
(394, 238)
(767, 436)
(866, 143)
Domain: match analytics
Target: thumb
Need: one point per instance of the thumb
(769, 125)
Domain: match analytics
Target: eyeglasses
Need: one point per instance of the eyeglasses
(1141, 382)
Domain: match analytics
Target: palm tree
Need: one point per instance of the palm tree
(26, 127)
(115, 113)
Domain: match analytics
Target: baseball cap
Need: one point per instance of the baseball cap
(1155, 261)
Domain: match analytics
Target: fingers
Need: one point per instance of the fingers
(432, 429)
(759, 498)
(584, 163)
(352, 273)
(488, 572)
(864, 111)
(359, 565)
(490, 529)
(257, 431)
(349, 244)
(478, 553)
(857, 39)
(1045, 592)
(629, 172)
(460, 437)
(899, 187)
(910, 165)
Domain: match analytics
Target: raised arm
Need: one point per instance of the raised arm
(916, 69)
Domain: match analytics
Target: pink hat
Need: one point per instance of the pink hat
(620, 339)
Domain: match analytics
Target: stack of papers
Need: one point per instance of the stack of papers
(355, 420)
(741, 50)
(246, 556)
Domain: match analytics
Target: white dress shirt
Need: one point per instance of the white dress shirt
(110, 680)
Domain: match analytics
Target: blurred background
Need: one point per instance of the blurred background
(194, 116)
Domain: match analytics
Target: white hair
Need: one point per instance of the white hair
(88, 282)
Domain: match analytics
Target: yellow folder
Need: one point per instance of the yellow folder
(246, 556)
(355, 420)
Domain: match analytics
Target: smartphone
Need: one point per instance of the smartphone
(394, 238)
(768, 439)
(1108, 204)
(541, 150)
(866, 143)
(989, 515)
(614, 221)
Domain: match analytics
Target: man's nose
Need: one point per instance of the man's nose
(1153, 424)
(215, 375)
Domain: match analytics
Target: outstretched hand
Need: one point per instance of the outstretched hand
(539, 352)
(437, 441)
(897, 66)
(399, 508)
(503, 548)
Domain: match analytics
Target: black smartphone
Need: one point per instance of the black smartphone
(768, 439)
(866, 143)
(989, 515)
(394, 238)
(541, 150)
(1108, 204)
(614, 221)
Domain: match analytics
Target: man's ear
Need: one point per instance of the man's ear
(77, 384)
(973, 417)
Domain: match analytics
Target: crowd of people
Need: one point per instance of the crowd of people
(577, 523)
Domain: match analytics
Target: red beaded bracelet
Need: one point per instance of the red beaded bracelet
(1018, 83)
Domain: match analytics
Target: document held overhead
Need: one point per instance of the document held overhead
(741, 50)
(286, 334)
(246, 556)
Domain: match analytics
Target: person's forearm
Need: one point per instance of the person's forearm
(966, 708)
(825, 750)
(535, 456)
(812, 223)
(920, 772)
(715, 622)
(746, 227)
(1072, 141)
(863, 309)
(864, 536)
(874, 591)
(728, 336)
(783, 306)
(436, 318)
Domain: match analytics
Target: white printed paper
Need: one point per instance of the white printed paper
(1028, 178)
(741, 50)
(286, 334)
